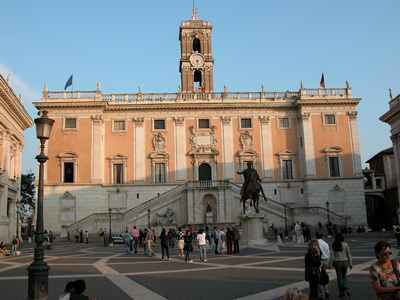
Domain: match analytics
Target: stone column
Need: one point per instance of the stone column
(97, 149)
(180, 149)
(355, 143)
(227, 148)
(266, 148)
(140, 152)
(307, 149)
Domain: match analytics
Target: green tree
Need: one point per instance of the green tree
(28, 193)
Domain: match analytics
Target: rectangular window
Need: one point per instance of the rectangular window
(287, 169)
(245, 123)
(68, 172)
(159, 124)
(118, 173)
(160, 173)
(284, 122)
(119, 125)
(334, 166)
(204, 123)
(330, 119)
(70, 123)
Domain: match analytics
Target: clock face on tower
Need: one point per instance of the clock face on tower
(196, 60)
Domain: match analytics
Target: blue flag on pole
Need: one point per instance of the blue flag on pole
(69, 82)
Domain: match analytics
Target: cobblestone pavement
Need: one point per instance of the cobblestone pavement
(255, 273)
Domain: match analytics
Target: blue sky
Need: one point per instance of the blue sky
(124, 44)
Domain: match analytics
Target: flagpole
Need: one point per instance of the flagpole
(72, 86)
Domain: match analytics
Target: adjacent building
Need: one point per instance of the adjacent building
(172, 158)
(13, 121)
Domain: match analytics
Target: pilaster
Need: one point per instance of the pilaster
(227, 146)
(97, 149)
(140, 151)
(266, 148)
(180, 149)
(309, 168)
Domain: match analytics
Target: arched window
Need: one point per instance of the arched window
(204, 172)
(196, 46)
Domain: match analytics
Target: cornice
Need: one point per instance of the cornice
(392, 115)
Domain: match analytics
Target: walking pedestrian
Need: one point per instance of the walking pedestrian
(236, 238)
(181, 241)
(127, 242)
(188, 246)
(15, 245)
(68, 236)
(312, 261)
(135, 236)
(323, 290)
(201, 241)
(164, 239)
(149, 242)
(341, 260)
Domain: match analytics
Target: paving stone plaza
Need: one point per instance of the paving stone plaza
(255, 273)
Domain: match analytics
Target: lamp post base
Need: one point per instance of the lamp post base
(38, 277)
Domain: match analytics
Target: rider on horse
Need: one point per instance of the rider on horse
(247, 179)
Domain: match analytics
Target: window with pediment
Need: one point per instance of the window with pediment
(287, 164)
(68, 162)
(333, 161)
(117, 167)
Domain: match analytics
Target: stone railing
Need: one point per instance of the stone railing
(217, 97)
(208, 184)
(317, 210)
(134, 212)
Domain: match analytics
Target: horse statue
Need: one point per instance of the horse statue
(251, 189)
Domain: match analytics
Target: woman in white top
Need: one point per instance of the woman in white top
(69, 289)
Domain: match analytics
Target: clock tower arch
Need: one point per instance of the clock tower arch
(196, 64)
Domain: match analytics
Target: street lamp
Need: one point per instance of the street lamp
(148, 218)
(38, 270)
(17, 204)
(286, 230)
(109, 215)
(329, 221)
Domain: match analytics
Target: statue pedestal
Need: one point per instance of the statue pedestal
(252, 230)
(209, 218)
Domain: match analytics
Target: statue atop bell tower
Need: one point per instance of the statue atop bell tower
(197, 63)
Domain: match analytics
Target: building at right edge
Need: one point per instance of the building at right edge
(389, 205)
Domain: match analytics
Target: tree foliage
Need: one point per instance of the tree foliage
(28, 193)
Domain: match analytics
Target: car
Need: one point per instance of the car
(117, 238)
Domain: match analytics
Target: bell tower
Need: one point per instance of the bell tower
(196, 64)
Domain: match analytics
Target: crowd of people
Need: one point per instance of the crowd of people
(219, 240)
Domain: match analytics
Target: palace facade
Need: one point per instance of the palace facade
(13, 121)
(172, 158)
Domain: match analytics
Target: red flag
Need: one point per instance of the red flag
(322, 82)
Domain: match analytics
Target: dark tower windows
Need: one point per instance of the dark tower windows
(196, 46)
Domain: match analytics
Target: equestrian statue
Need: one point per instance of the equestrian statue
(251, 187)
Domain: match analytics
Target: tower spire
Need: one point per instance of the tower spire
(194, 14)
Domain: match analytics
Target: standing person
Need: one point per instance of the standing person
(100, 231)
(341, 260)
(216, 238)
(188, 245)
(236, 238)
(164, 239)
(81, 236)
(229, 241)
(181, 241)
(173, 238)
(77, 236)
(323, 290)
(298, 229)
(201, 241)
(127, 242)
(86, 237)
(51, 236)
(312, 261)
(135, 236)
(149, 242)
(68, 236)
(396, 229)
(221, 242)
(15, 245)
(383, 275)
(69, 289)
